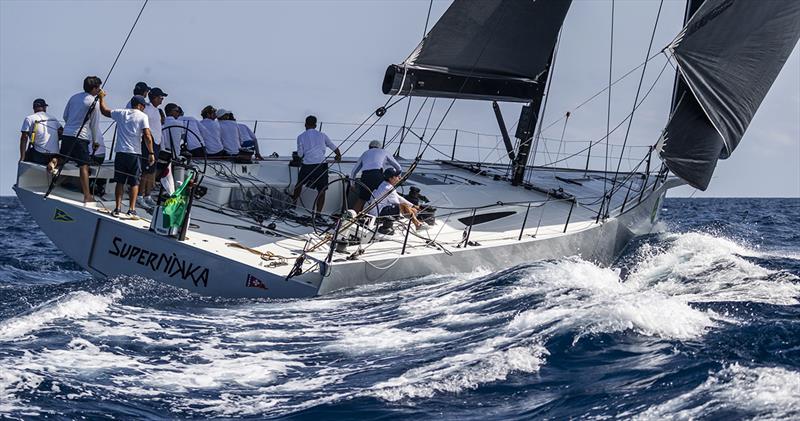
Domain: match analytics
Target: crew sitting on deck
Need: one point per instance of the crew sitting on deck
(371, 164)
(249, 139)
(133, 126)
(39, 140)
(229, 132)
(389, 203)
(194, 135)
(209, 129)
(314, 170)
(81, 128)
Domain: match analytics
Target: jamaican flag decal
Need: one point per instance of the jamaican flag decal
(61, 216)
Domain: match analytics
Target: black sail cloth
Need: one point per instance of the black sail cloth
(489, 49)
(729, 54)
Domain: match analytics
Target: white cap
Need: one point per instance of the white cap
(221, 112)
(375, 144)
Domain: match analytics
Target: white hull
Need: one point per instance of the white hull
(108, 247)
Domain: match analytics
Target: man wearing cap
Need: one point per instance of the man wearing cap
(314, 170)
(81, 130)
(389, 203)
(371, 164)
(132, 127)
(228, 132)
(155, 119)
(209, 128)
(39, 140)
(140, 88)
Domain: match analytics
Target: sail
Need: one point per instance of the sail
(490, 49)
(728, 54)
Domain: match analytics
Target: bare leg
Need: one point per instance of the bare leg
(87, 196)
(321, 200)
(118, 194)
(297, 189)
(134, 193)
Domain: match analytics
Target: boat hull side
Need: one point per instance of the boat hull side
(106, 248)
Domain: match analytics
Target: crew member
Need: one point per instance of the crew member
(389, 203)
(249, 139)
(229, 132)
(155, 119)
(132, 126)
(81, 129)
(140, 88)
(209, 129)
(173, 131)
(371, 163)
(314, 170)
(39, 140)
(194, 136)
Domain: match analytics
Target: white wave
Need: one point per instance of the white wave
(583, 297)
(12, 382)
(380, 338)
(700, 267)
(763, 393)
(75, 305)
(484, 364)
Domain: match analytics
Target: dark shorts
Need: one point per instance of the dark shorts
(314, 176)
(369, 181)
(32, 155)
(198, 152)
(149, 169)
(390, 210)
(127, 168)
(74, 149)
(218, 154)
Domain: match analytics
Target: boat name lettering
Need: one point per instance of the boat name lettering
(170, 264)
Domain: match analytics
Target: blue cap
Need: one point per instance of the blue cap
(138, 100)
(39, 103)
(390, 172)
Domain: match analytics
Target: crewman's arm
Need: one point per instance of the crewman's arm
(23, 144)
(393, 162)
(148, 141)
(103, 108)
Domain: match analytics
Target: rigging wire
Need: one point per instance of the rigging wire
(638, 89)
(608, 109)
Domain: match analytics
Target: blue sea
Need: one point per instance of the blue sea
(699, 321)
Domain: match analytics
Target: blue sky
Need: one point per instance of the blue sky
(281, 60)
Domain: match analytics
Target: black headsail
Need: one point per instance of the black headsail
(494, 50)
(728, 54)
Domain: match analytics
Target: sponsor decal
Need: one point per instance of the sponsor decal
(61, 216)
(169, 264)
(253, 282)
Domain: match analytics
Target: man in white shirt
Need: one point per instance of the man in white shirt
(209, 128)
(132, 126)
(389, 203)
(229, 132)
(81, 130)
(38, 142)
(314, 170)
(194, 136)
(173, 131)
(249, 139)
(155, 119)
(371, 163)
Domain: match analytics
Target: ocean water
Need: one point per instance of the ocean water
(701, 321)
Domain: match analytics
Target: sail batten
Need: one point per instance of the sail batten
(491, 50)
(728, 54)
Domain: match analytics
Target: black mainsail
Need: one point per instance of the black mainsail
(728, 54)
(496, 50)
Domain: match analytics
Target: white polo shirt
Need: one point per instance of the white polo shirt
(154, 117)
(44, 128)
(245, 134)
(75, 112)
(194, 137)
(391, 199)
(209, 128)
(130, 128)
(229, 134)
(311, 146)
(172, 134)
(374, 159)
